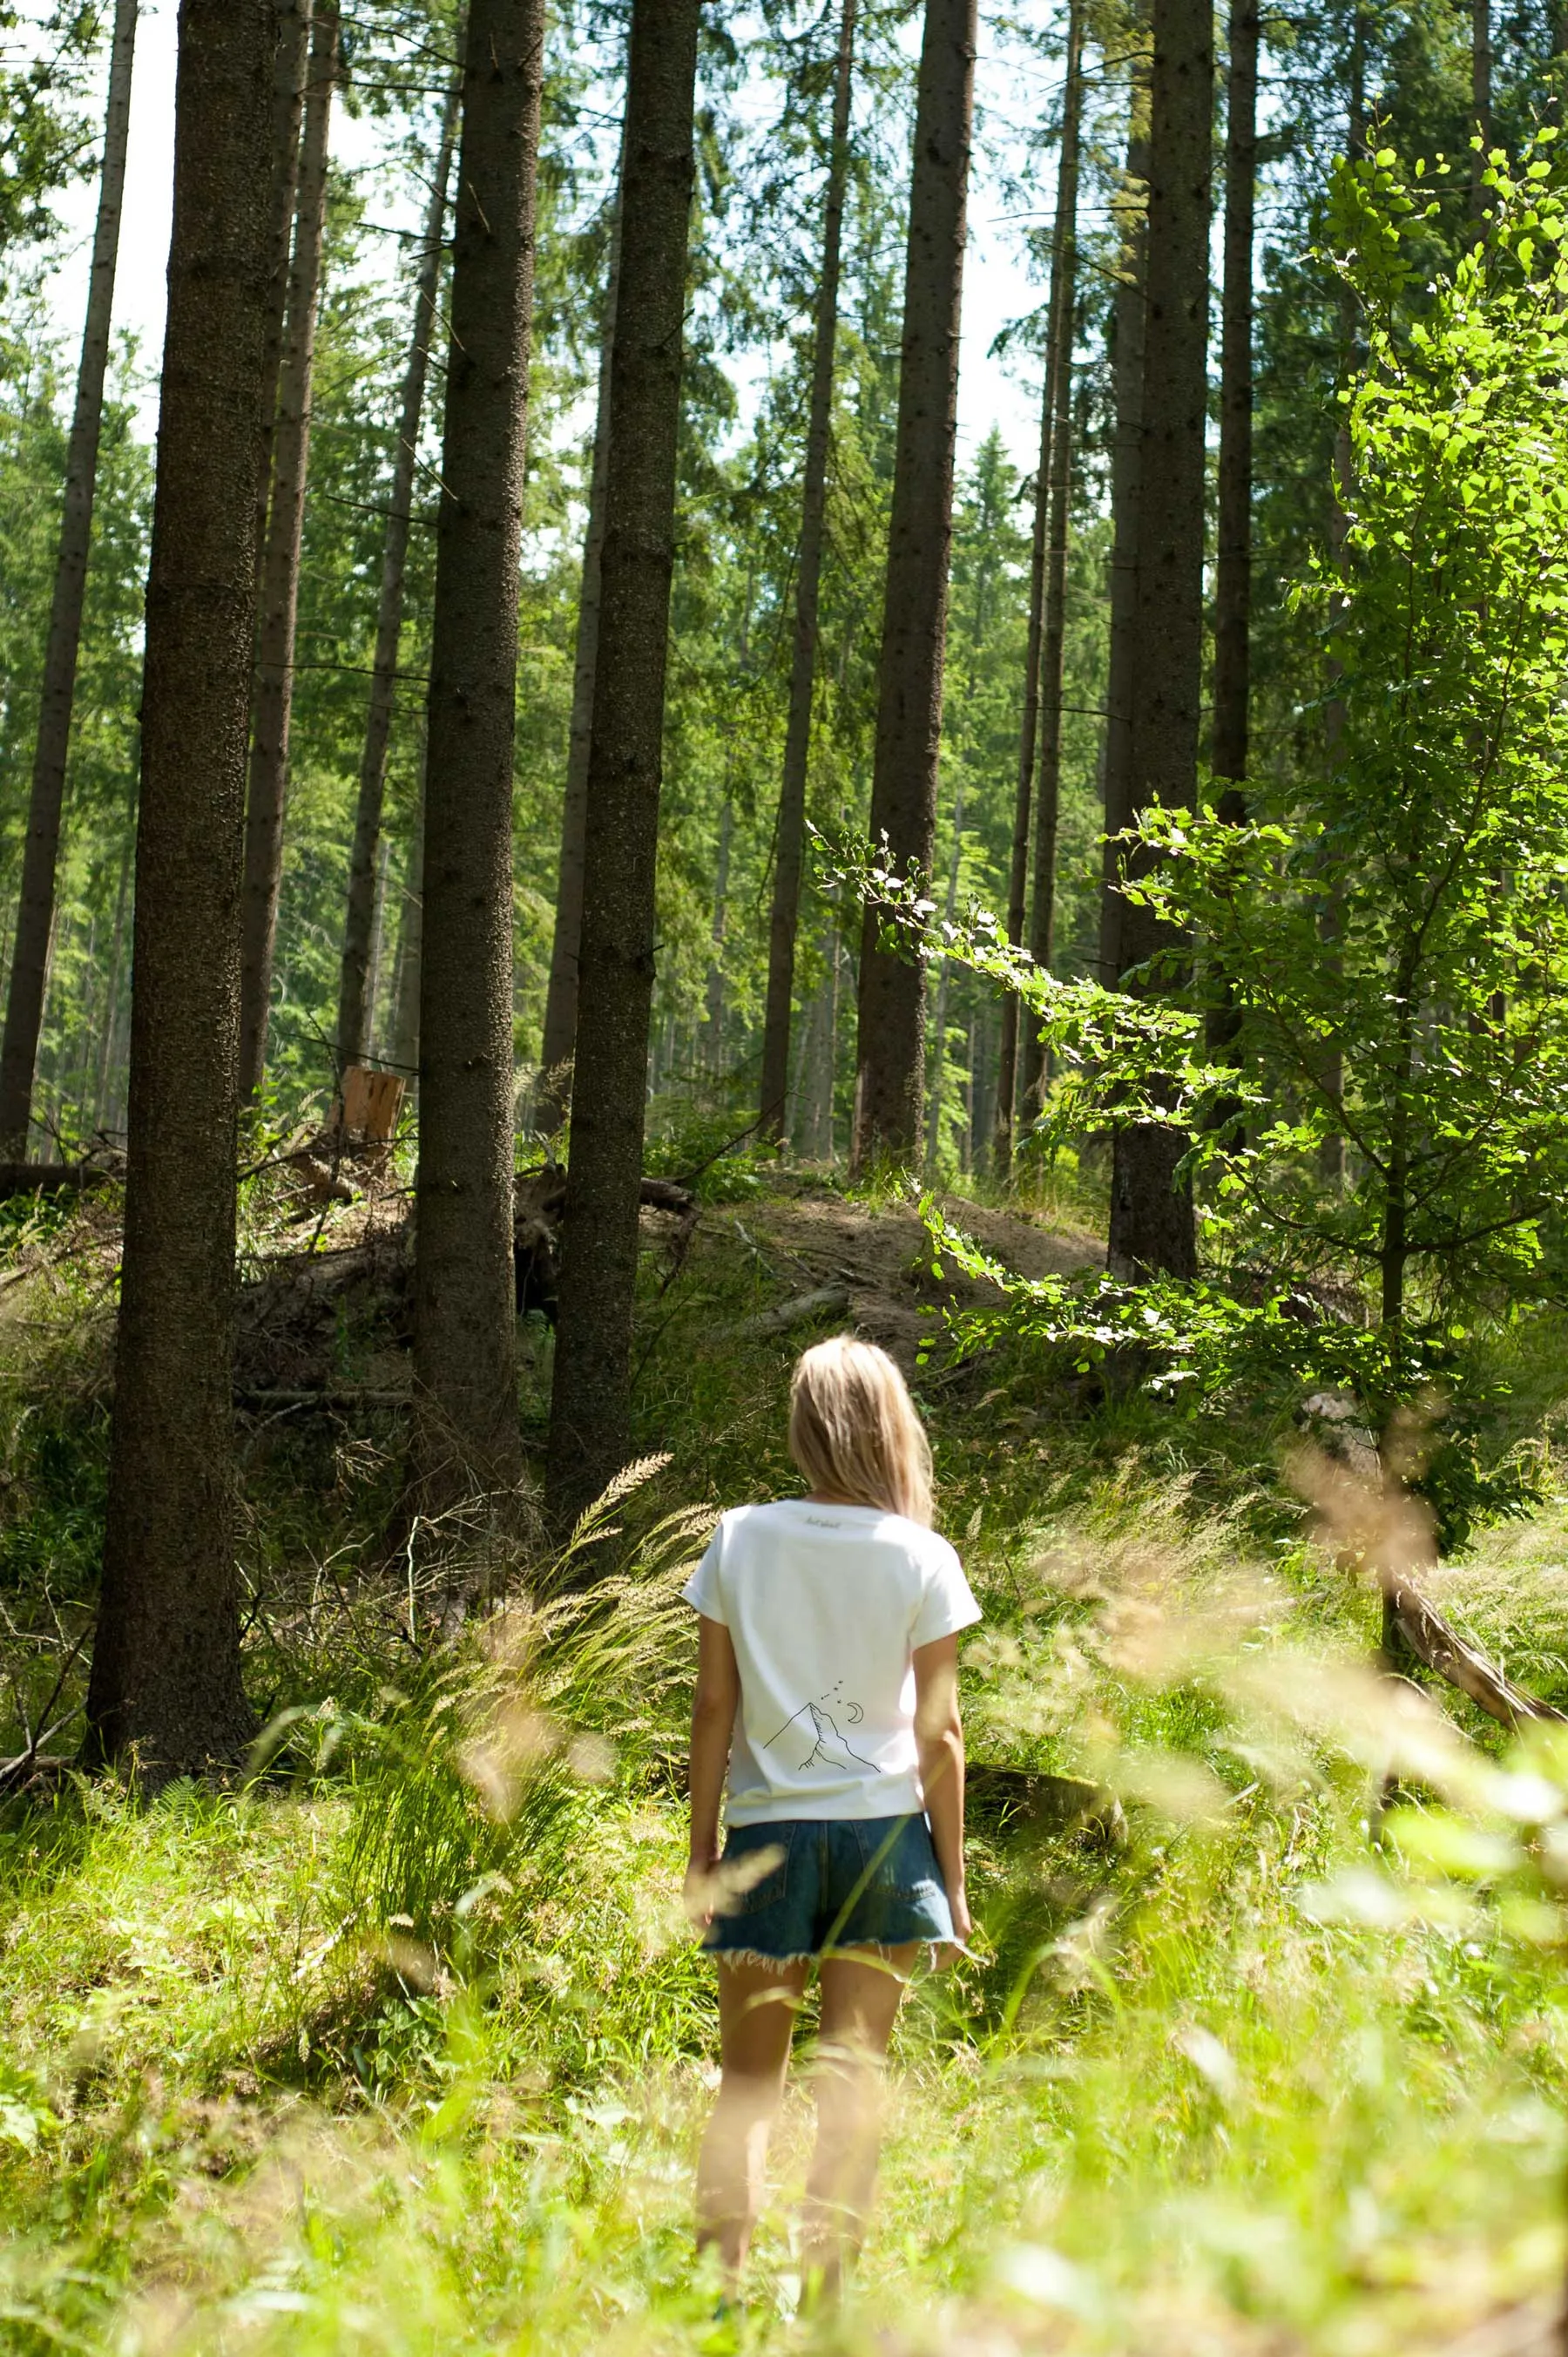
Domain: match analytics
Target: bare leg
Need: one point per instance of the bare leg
(756, 2015)
(861, 1995)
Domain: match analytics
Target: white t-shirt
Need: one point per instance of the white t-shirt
(825, 1606)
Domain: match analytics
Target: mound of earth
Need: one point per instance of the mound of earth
(881, 1257)
(339, 1316)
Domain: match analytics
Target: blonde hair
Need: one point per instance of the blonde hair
(854, 1432)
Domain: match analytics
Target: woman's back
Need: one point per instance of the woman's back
(824, 1605)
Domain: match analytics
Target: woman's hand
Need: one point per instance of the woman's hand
(697, 1893)
(962, 1924)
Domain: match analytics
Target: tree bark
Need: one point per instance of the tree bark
(789, 842)
(1052, 647)
(355, 1016)
(166, 1685)
(714, 993)
(467, 1437)
(288, 108)
(1233, 573)
(280, 569)
(1152, 1224)
(590, 1407)
(1234, 569)
(1126, 502)
(891, 1046)
(1480, 105)
(24, 1010)
(1331, 1152)
(1029, 733)
(554, 1092)
(109, 1027)
(372, 989)
(404, 1056)
(939, 1027)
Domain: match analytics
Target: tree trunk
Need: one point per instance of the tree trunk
(1233, 573)
(939, 1027)
(404, 1056)
(590, 1407)
(1053, 648)
(1029, 733)
(465, 1328)
(715, 989)
(110, 1025)
(814, 1136)
(1126, 502)
(1480, 105)
(789, 842)
(891, 1046)
(373, 970)
(1233, 570)
(166, 1683)
(1152, 1224)
(288, 108)
(24, 1010)
(554, 1092)
(1331, 1152)
(280, 570)
(355, 1013)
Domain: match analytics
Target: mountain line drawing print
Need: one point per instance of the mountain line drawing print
(813, 1735)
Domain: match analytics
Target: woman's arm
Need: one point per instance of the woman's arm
(713, 1727)
(939, 1735)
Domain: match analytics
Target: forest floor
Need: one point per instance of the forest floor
(400, 2044)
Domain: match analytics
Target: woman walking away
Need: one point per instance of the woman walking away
(827, 1687)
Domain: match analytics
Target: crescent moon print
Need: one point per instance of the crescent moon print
(812, 1735)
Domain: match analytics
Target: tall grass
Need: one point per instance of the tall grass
(403, 2044)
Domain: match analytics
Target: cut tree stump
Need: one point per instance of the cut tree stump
(367, 1111)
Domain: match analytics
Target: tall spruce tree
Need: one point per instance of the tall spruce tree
(891, 1042)
(467, 1437)
(268, 791)
(1151, 1223)
(1129, 330)
(790, 840)
(560, 1036)
(166, 1686)
(1481, 104)
(354, 1009)
(1053, 635)
(1233, 566)
(591, 1399)
(36, 912)
(288, 109)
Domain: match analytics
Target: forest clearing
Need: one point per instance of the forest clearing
(783, 1177)
(403, 2044)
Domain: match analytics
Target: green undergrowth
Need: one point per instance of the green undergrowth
(401, 2043)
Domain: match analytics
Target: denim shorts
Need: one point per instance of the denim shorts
(830, 1883)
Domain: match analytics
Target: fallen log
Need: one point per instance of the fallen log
(1025, 1797)
(53, 1178)
(255, 1401)
(1412, 1621)
(827, 1301)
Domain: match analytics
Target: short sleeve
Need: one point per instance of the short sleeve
(947, 1602)
(703, 1591)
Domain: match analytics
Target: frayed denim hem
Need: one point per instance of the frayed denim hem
(885, 1948)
